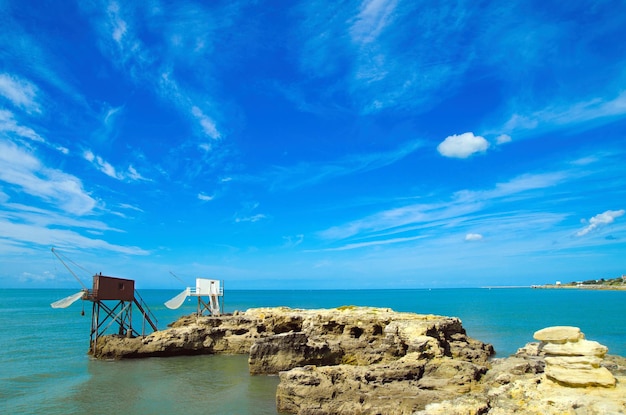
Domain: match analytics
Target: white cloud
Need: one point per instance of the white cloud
(379, 242)
(28, 233)
(473, 237)
(456, 209)
(205, 197)
(108, 169)
(22, 169)
(20, 92)
(133, 174)
(101, 165)
(374, 16)
(253, 218)
(462, 146)
(601, 219)
(596, 109)
(9, 124)
(304, 174)
(503, 138)
(208, 125)
(118, 25)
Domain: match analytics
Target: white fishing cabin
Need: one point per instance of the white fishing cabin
(209, 293)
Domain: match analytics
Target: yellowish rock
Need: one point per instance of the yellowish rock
(559, 334)
(579, 348)
(580, 378)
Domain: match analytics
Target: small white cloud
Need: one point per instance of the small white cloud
(503, 139)
(208, 125)
(601, 219)
(108, 169)
(462, 146)
(204, 197)
(253, 218)
(473, 237)
(133, 174)
(130, 207)
(100, 164)
(89, 156)
(205, 146)
(226, 179)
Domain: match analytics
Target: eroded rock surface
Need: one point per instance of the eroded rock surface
(518, 385)
(361, 360)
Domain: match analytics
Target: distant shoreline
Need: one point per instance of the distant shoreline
(582, 287)
(560, 287)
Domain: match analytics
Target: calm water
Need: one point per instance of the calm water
(44, 367)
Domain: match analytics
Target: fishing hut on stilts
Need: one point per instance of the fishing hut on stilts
(210, 294)
(113, 300)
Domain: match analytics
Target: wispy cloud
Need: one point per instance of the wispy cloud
(153, 64)
(105, 167)
(204, 197)
(596, 111)
(9, 124)
(20, 92)
(23, 235)
(518, 186)
(379, 242)
(246, 214)
(600, 220)
(101, 165)
(374, 17)
(366, 56)
(461, 207)
(307, 174)
(22, 170)
(293, 241)
(208, 125)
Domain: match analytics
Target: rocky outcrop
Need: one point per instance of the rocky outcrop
(281, 338)
(526, 383)
(518, 386)
(361, 360)
(398, 387)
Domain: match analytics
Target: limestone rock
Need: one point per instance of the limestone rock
(580, 377)
(395, 388)
(559, 334)
(284, 338)
(517, 386)
(579, 348)
(571, 360)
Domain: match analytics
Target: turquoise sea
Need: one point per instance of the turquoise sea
(44, 367)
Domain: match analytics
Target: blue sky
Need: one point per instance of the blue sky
(373, 144)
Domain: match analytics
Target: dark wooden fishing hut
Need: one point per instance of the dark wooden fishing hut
(113, 299)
